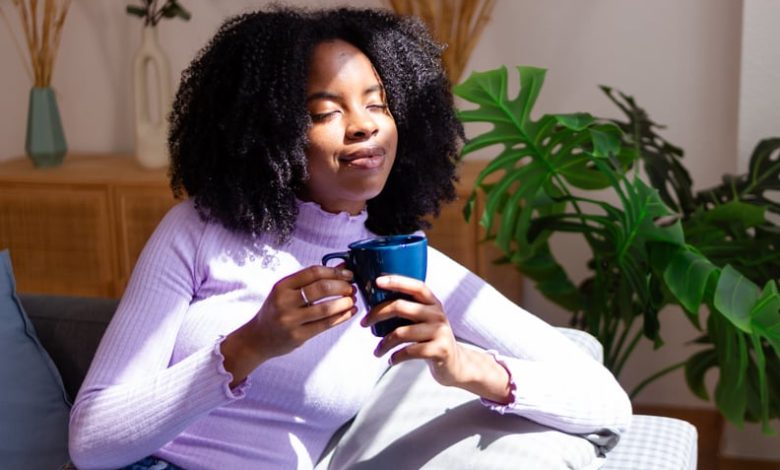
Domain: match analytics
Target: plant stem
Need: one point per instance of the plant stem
(655, 377)
(616, 351)
(612, 323)
(152, 14)
(16, 43)
(620, 362)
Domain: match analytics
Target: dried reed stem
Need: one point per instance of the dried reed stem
(17, 45)
(456, 23)
(42, 32)
(57, 35)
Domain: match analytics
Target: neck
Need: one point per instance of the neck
(336, 206)
(318, 225)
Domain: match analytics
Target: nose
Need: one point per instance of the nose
(361, 126)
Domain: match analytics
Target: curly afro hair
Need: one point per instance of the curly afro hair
(240, 121)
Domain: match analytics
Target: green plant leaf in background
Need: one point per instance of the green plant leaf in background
(763, 177)
(152, 13)
(765, 316)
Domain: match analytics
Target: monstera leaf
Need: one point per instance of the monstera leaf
(540, 183)
(661, 159)
(753, 188)
(538, 162)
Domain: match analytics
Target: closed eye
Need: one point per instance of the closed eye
(319, 117)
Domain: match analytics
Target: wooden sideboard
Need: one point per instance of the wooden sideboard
(78, 229)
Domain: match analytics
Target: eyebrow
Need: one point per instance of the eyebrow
(326, 95)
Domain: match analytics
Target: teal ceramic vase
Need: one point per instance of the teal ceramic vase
(45, 142)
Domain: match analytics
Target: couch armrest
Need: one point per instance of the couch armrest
(586, 341)
(655, 442)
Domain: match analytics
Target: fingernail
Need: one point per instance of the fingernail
(363, 322)
(346, 273)
(382, 281)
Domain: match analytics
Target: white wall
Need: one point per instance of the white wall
(759, 99)
(679, 58)
(759, 118)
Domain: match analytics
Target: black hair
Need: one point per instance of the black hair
(239, 120)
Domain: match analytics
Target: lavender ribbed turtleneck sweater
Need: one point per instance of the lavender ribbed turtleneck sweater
(157, 384)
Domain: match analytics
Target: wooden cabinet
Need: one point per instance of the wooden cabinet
(79, 228)
(463, 241)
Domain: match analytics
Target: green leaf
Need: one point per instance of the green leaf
(551, 280)
(687, 276)
(468, 208)
(735, 296)
(731, 389)
(696, 368)
(576, 121)
(762, 382)
(501, 192)
(765, 316)
(174, 10)
(606, 141)
(756, 186)
(735, 212)
(531, 81)
(134, 10)
(513, 208)
(661, 159)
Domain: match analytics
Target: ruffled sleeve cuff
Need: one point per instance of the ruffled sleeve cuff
(502, 407)
(237, 392)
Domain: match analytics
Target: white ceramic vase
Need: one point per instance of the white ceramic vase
(151, 132)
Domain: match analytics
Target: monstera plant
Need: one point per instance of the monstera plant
(652, 244)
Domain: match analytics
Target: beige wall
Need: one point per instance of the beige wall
(759, 118)
(679, 58)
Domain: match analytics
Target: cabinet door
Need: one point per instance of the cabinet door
(138, 211)
(60, 238)
(453, 236)
(463, 242)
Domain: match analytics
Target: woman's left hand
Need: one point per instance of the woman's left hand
(431, 339)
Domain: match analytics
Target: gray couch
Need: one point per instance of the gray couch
(70, 328)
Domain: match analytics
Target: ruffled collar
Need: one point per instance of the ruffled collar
(315, 225)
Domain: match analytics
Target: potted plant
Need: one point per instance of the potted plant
(42, 29)
(654, 247)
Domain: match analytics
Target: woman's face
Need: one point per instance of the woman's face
(353, 138)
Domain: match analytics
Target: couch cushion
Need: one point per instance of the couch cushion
(33, 407)
(70, 328)
(411, 421)
(655, 442)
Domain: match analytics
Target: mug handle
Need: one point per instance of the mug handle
(342, 255)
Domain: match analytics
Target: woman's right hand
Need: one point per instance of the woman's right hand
(286, 320)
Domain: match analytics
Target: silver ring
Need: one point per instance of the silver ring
(303, 296)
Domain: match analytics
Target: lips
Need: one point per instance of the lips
(365, 158)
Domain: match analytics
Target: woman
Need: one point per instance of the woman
(295, 133)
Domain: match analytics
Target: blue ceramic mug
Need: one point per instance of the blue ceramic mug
(369, 259)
